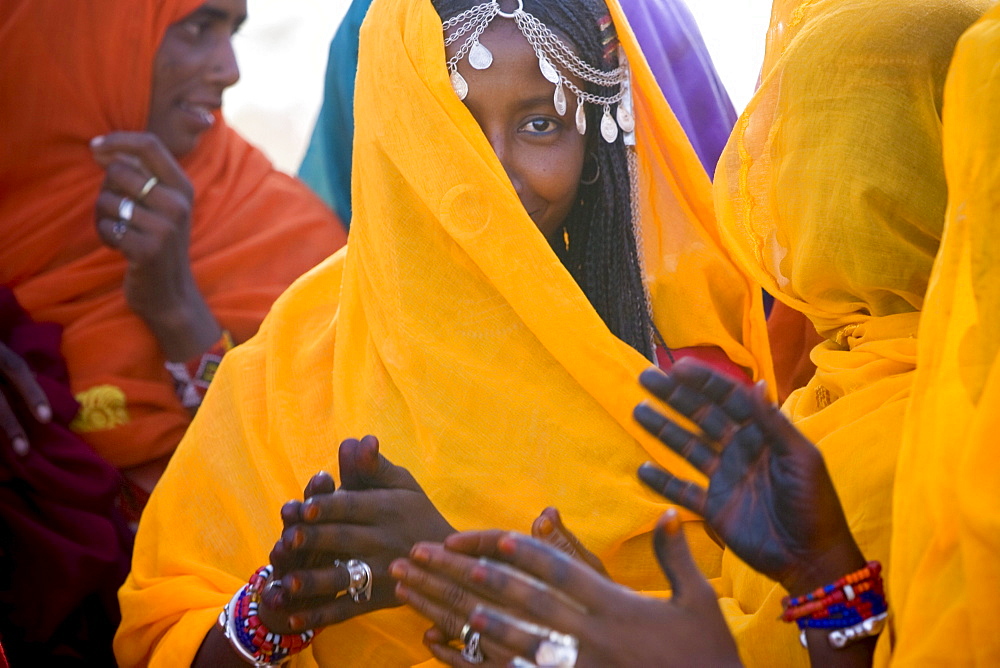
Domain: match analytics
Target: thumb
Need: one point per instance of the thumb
(372, 470)
(674, 555)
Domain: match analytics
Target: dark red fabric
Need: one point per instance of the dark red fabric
(64, 550)
(710, 355)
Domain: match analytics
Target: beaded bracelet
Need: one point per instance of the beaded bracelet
(248, 635)
(191, 379)
(852, 608)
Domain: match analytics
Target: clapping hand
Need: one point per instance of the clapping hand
(769, 495)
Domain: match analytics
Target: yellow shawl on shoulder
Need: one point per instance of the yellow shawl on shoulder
(831, 194)
(451, 331)
(946, 539)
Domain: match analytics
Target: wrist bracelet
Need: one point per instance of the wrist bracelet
(852, 608)
(248, 635)
(191, 379)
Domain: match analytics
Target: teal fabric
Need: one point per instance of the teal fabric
(326, 167)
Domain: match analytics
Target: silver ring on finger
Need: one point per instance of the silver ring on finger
(118, 230)
(471, 651)
(147, 188)
(558, 650)
(126, 209)
(361, 579)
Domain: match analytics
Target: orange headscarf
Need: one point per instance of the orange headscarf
(76, 70)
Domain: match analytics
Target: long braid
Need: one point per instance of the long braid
(602, 254)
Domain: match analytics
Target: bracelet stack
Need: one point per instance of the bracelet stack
(248, 635)
(852, 608)
(191, 379)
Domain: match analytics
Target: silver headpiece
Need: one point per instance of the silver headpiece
(554, 58)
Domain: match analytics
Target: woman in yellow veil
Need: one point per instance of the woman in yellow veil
(946, 534)
(832, 195)
(452, 329)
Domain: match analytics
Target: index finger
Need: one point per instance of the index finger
(151, 151)
(476, 543)
(557, 569)
(348, 507)
(20, 375)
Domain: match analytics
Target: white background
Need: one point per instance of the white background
(282, 51)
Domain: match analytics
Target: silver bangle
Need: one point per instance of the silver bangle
(841, 638)
(227, 619)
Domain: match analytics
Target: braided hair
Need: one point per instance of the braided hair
(600, 248)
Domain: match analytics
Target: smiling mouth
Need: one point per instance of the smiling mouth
(201, 112)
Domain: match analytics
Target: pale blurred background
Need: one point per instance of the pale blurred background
(282, 52)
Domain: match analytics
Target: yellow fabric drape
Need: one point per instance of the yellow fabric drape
(946, 538)
(831, 194)
(450, 330)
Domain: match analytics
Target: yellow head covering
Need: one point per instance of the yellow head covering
(450, 330)
(831, 194)
(946, 537)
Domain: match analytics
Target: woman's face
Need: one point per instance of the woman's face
(194, 64)
(541, 151)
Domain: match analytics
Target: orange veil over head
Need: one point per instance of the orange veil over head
(831, 194)
(450, 330)
(73, 71)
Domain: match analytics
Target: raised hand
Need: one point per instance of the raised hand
(19, 383)
(376, 525)
(516, 591)
(769, 496)
(144, 212)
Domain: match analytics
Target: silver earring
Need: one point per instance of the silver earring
(597, 172)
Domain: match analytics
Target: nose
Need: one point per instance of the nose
(224, 70)
(505, 155)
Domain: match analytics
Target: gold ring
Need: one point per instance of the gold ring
(150, 184)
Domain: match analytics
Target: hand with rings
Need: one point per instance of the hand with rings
(144, 213)
(769, 496)
(533, 605)
(331, 563)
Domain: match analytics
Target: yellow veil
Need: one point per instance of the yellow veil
(831, 194)
(946, 538)
(451, 331)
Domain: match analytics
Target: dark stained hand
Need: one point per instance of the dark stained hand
(769, 495)
(376, 524)
(18, 381)
(515, 591)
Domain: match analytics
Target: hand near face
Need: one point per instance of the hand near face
(159, 285)
(769, 496)
(515, 591)
(376, 525)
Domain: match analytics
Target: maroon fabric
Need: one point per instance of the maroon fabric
(709, 355)
(64, 551)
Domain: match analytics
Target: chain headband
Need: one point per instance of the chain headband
(554, 58)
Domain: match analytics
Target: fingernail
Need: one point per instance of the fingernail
(478, 620)
(545, 526)
(296, 623)
(43, 412)
(298, 538)
(97, 142)
(672, 521)
(20, 446)
(421, 555)
(310, 511)
(507, 545)
(294, 584)
(478, 574)
(402, 593)
(397, 570)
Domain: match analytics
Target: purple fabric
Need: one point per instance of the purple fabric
(676, 52)
(64, 550)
